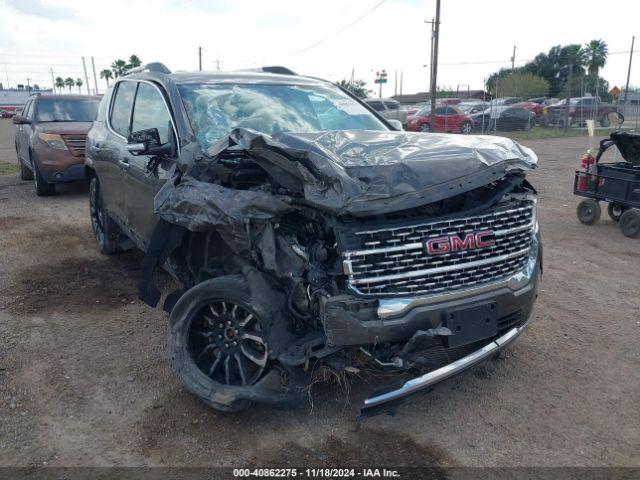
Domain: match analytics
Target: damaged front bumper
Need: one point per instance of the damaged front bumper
(373, 322)
(372, 404)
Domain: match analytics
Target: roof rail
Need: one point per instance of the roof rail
(156, 67)
(270, 69)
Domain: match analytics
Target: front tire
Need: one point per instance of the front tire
(43, 188)
(604, 121)
(105, 231)
(218, 344)
(589, 211)
(466, 128)
(425, 127)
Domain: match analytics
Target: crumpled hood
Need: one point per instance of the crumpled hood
(369, 172)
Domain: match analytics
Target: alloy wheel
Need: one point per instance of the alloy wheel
(226, 341)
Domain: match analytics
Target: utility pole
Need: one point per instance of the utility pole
(95, 79)
(86, 77)
(218, 64)
(513, 58)
(401, 76)
(53, 81)
(434, 61)
(200, 58)
(6, 72)
(568, 105)
(395, 85)
(626, 88)
(28, 86)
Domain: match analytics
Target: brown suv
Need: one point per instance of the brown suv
(50, 138)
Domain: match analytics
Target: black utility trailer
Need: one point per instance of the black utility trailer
(618, 184)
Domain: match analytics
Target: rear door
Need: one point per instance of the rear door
(142, 183)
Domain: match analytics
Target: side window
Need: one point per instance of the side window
(28, 109)
(149, 111)
(377, 106)
(121, 107)
(441, 111)
(392, 105)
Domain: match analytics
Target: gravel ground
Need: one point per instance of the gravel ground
(85, 377)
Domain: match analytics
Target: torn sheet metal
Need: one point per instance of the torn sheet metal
(357, 173)
(198, 206)
(366, 172)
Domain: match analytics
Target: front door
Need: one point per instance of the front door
(143, 182)
(23, 133)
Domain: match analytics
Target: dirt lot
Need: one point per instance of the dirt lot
(85, 377)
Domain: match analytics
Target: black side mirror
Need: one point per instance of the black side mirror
(20, 120)
(147, 142)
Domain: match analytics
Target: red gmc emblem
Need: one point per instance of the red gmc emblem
(455, 243)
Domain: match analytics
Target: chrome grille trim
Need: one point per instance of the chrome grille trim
(399, 264)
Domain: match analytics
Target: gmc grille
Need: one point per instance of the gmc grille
(394, 260)
(75, 144)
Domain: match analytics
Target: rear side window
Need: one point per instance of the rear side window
(149, 111)
(392, 105)
(377, 106)
(121, 107)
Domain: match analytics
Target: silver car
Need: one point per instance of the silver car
(389, 109)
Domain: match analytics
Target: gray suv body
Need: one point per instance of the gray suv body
(309, 235)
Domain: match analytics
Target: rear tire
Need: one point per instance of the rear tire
(25, 173)
(43, 188)
(615, 211)
(425, 127)
(630, 223)
(105, 231)
(589, 211)
(604, 121)
(217, 342)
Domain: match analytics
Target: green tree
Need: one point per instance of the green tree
(69, 83)
(596, 54)
(119, 67)
(59, 83)
(79, 84)
(524, 85)
(107, 75)
(134, 61)
(358, 87)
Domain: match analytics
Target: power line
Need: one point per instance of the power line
(341, 30)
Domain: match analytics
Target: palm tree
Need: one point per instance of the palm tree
(596, 55)
(79, 84)
(134, 61)
(69, 83)
(59, 83)
(107, 75)
(119, 67)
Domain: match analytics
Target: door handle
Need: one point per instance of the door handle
(124, 164)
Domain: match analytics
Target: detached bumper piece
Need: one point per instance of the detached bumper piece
(384, 398)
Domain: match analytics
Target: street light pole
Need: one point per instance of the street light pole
(434, 61)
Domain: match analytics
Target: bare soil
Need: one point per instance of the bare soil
(85, 378)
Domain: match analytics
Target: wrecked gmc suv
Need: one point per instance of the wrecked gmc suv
(310, 237)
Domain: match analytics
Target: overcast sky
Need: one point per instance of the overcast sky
(477, 37)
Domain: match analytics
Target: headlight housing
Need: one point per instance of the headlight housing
(53, 140)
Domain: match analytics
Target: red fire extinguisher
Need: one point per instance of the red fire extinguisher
(587, 167)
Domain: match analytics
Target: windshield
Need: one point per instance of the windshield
(423, 112)
(66, 110)
(215, 110)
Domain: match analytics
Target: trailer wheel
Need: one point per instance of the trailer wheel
(630, 223)
(615, 211)
(589, 211)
